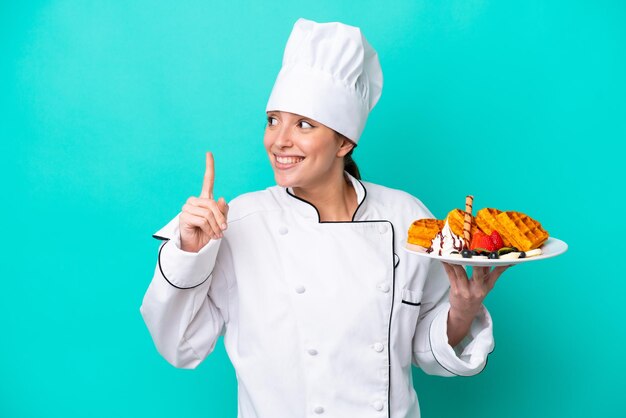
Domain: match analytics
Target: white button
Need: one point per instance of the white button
(312, 351)
(378, 405)
(382, 228)
(283, 230)
(379, 347)
(300, 289)
(383, 287)
(318, 410)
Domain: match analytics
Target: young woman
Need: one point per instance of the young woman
(321, 311)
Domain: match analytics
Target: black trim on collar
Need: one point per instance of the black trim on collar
(160, 237)
(166, 279)
(309, 203)
(364, 197)
(318, 212)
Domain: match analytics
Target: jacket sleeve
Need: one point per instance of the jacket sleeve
(185, 305)
(431, 351)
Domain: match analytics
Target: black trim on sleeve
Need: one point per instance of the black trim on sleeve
(166, 279)
(445, 368)
(411, 303)
(160, 238)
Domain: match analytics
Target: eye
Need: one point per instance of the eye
(306, 124)
(270, 120)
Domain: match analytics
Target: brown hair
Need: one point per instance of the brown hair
(350, 166)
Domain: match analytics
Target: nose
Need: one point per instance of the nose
(283, 137)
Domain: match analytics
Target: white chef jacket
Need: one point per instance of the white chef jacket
(319, 318)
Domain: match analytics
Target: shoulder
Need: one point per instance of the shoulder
(250, 203)
(396, 200)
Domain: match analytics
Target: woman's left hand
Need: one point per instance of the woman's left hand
(466, 296)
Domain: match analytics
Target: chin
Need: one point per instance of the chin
(282, 181)
(293, 179)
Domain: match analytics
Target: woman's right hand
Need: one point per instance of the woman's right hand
(202, 218)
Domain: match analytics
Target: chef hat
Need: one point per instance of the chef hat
(330, 74)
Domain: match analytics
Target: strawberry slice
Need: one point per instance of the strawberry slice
(496, 239)
(475, 237)
(482, 240)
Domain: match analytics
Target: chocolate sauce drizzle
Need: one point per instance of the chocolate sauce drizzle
(457, 243)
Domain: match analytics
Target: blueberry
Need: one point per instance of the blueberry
(494, 254)
(522, 255)
(466, 253)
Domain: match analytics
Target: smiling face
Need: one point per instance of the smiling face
(303, 152)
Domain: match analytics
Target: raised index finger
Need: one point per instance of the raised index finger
(209, 177)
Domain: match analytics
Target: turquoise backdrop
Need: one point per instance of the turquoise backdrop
(107, 108)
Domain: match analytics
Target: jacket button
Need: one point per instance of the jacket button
(382, 228)
(379, 347)
(383, 287)
(312, 351)
(300, 289)
(378, 405)
(318, 410)
(283, 230)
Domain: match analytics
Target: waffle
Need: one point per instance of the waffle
(521, 230)
(456, 219)
(487, 222)
(422, 231)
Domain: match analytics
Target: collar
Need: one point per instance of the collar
(308, 210)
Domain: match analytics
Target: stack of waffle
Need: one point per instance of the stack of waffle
(515, 228)
(422, 232)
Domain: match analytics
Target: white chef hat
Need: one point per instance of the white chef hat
(331, 74)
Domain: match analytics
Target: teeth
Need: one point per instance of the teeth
(289, 160)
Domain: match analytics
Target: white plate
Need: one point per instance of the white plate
(551, 248)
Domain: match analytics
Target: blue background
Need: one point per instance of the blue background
(107, 109)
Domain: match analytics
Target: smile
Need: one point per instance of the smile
(284, 162)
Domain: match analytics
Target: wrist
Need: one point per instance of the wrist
(462, 317)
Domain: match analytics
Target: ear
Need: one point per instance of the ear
(345, 147)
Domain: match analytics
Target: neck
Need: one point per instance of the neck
(335, 199)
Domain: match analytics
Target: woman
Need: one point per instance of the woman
(320, 310)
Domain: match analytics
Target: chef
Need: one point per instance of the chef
(321, 311)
